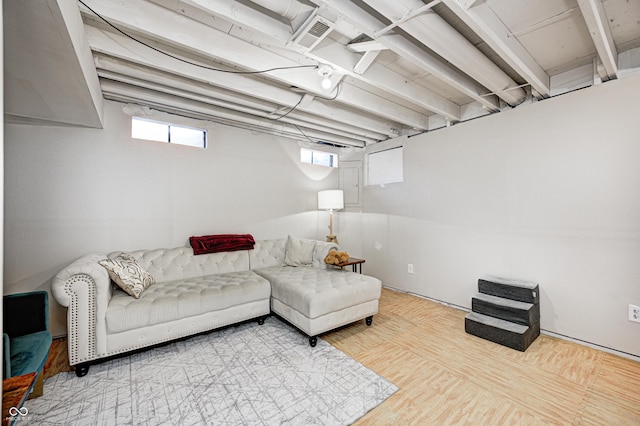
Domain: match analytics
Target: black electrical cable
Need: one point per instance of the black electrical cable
(337, 89)
(187, 61)
(304, 134)
(288, 112)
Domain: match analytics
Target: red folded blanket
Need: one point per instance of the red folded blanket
(221, 242)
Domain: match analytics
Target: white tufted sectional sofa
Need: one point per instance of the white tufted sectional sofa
(198, 293)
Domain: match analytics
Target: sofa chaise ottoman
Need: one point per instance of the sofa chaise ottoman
(191, 294)
(316, 300)
(313, 296)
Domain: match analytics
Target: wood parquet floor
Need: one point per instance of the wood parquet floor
(448, 377)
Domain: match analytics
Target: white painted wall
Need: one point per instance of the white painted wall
(549, 192)
(73, 191)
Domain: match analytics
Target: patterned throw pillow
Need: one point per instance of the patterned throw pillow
(127, 273)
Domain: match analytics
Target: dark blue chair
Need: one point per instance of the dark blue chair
(26, 335)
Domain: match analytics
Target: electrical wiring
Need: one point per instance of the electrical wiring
(187, 61)
(288, 112)
(304, 134)
(292, 109)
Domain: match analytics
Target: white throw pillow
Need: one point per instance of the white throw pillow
(298, 251)
(127, 273)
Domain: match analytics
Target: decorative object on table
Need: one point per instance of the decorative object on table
(331, 200)
(26, 336)
(336, 257)
(242, 374)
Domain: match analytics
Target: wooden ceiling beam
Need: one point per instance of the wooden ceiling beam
(406, 49)
(596, 19)
(151, 21)
(115, 52)
(484, 22)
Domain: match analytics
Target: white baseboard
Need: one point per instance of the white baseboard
(542, 331)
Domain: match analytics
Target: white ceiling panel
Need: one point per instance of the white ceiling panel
(564, 41)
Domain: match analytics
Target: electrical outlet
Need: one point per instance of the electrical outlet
(410, 269)
(634, 313)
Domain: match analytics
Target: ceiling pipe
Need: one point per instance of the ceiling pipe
(404, 48)
(171, 103)
(117, 70)
(109, 78)
(435, 33)
(380, 115)
(382, 78)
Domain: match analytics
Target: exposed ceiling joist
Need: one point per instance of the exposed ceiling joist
(335, 55)
(294, 11)
(481, 19)
(162, 83)
(150, 20)
(388, 80)
(241, 14)
(596, 19)
(382, 77)
(117, 46)
(361, 69)
(120, 47)
(365, 61)
(393, 67)
(366, 46)
(435, 33)
(408, 50)
(410, 14)
(127, 93)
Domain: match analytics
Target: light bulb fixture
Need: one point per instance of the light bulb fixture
(325, 72)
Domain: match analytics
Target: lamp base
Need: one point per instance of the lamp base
(332, 239)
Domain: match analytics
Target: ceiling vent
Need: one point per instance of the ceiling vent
(312, 32)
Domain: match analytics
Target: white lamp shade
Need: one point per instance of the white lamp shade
(331, 199)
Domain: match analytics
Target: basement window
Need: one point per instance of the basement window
(142, 128)
(319, 158)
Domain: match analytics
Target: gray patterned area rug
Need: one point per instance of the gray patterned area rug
(248, 374)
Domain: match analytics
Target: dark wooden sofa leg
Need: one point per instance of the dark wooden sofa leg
(262, 319)
(369, 320)
(313, 341)
(82, 370)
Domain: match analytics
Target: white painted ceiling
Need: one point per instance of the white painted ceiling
(398, 67)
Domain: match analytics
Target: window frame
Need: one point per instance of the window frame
(169, 125)
(333, 163)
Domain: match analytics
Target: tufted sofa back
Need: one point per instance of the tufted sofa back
(180, 263)
(267, 253)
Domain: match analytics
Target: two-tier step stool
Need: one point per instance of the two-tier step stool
(506, 312)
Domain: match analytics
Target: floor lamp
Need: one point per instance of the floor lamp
(331, 200)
